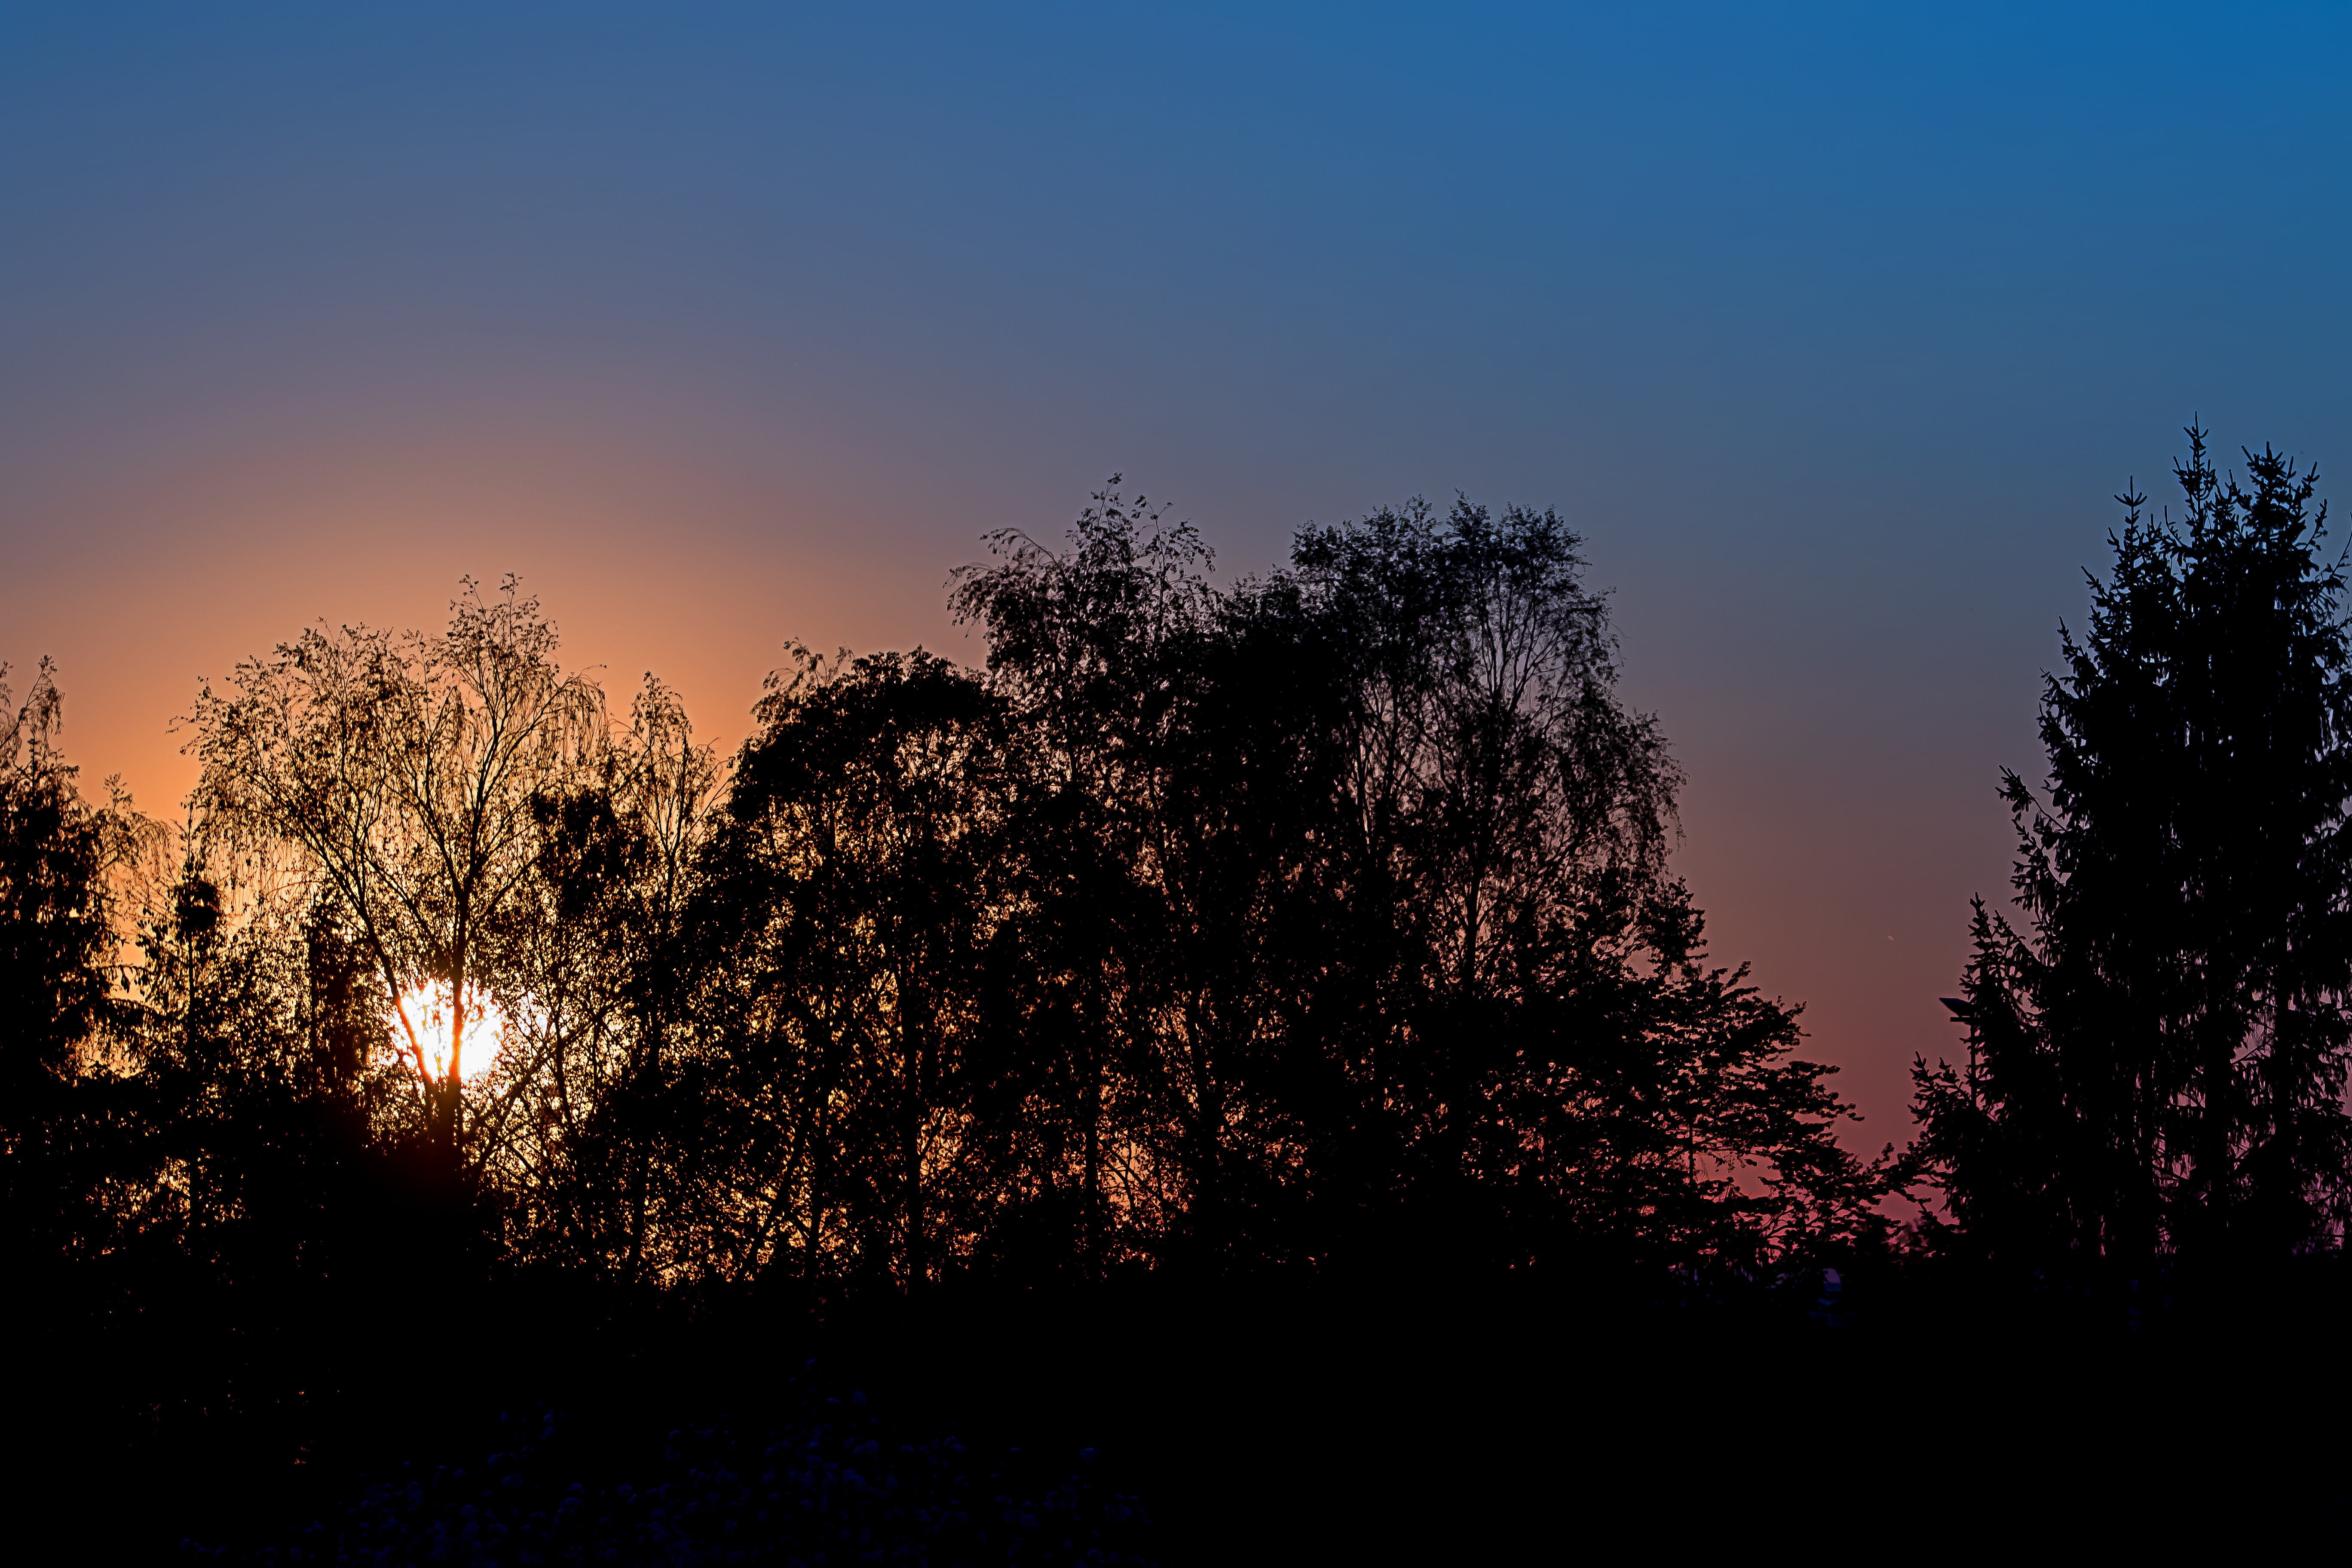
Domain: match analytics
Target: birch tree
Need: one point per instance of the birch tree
(399, 770)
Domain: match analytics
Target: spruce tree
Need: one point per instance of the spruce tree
(2158, 1061)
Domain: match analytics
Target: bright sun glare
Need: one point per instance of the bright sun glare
(425, 1008)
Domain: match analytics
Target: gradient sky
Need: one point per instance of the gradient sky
(1833, 329)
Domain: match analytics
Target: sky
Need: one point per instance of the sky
(1834, 330)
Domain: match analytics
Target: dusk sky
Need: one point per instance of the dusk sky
(1832, 329)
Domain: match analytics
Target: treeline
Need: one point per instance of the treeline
(1319, 922)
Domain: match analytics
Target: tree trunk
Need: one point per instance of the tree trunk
(911, 1030)
(1208, 1124)
(1090, 1239)
(636, 1172)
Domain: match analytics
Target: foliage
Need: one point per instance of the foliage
(1525, 1016)
(605, 949)
(835, 937)
(52, 886)
(2157, 1065)
(78, 1153)
(394, 777)
(1318, 919)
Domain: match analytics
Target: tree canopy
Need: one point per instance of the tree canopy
(1323, 918)
(2156, 1061)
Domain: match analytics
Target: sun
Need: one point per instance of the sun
(421, 1014)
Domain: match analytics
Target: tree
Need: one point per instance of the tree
(53, 933)
(1651, 1111)
(1354, 877)
(57, 942)
(1490, 760)
(393, 776)
(1079, 650)
(1224, 927)
(2158, 1062)
(841, 911)
(1494, 794)
(1177, 763)
(260, 1053)
(618, 864)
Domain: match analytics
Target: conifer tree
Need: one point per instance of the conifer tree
(2158, 1061)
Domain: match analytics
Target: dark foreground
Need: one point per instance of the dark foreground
(1243, 1424)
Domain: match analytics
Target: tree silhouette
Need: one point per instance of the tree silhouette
(61, 1129)
(619, 854)
(839, 923)
(1079, 646)
(1372, 838)
(1309, 939)
(1319, 918)
(1491, 782)
(396, 775)
(2157, 1064)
